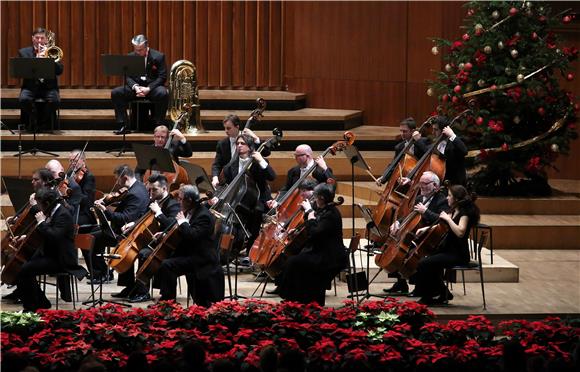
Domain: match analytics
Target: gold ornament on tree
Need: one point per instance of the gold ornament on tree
(520, 78)
(554, 147)
(430, 92)
(500, 44)
(495, 14)
(514, 53)
(487, 49)
(448, 67)
(435, 50)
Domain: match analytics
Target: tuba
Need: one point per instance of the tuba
(51, 50)
(183, 93)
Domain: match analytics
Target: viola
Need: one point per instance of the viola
(116, 196)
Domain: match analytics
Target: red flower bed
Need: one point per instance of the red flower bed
(377, 336)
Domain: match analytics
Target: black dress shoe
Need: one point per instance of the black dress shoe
(123, 294)
(400, 286)
(143, 297)
(11, 296)
(123, 130)
(275, 291)
(413, 293)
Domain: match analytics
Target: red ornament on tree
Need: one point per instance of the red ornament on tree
(534, 36)
(542, 19)
(479, 120)
(454, 99)
(513, 11)
(465, 37)
(467, 66)
(566, 19)
(570, 77)
(542, 111)
(445, 98)
(470, 12)
(457, 89)
(493, 87)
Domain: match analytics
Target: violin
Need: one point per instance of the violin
(116, 196)
(80, 174)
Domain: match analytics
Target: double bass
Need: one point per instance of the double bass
(274, 239)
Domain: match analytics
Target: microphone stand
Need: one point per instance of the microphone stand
(234, 295)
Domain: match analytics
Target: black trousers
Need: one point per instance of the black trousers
(38, 116)
(122, 97)
(102, 240)
(31, 295)
(429, 276)
(204, 291)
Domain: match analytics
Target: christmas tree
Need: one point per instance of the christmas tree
(506, 69)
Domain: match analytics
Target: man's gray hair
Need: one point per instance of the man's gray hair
(139, 40)
(433, 177)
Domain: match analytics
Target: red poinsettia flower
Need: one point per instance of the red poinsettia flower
(496, 126)
(479, 58)
(456, 45)
(533, 164)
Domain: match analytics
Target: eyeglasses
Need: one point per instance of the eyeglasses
(425, 183)
(299, 155)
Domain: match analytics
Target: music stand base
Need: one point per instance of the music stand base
(123, 149)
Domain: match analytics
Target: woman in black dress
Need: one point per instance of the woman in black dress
(308, 274)
(454, 250)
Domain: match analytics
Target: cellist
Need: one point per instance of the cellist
(428, 203)
(87, 182)
(453, 150)
(454, 250)
(58, 254)
(133, 205)
(164, 207)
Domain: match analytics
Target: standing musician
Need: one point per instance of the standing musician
(179, 147)
(226, 147)
(32, 89)
(164, 213)
(304, 161)
(453, 150)
(308, 274)
(429, 203)
(407, 127)
(133, 205)
(260, 172)
(454, 250)
(196, 254)
(150, 86)
(87, 183)
(41, 178)
(58, 254)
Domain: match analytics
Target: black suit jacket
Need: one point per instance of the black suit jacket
(419, 149)
(131, 208)
(294, 175)
(34, 84)
(455, 152)
(169, 210)
(438, 204)
(223, 156)
(58, 233)
(156, 71)
(198, 241)
(259, 175)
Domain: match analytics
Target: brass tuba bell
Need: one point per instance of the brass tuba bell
(183, 92)
(51, 50)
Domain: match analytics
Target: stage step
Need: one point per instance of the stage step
(210, 99)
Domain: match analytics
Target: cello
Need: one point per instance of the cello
(272, 240)
(174, 179)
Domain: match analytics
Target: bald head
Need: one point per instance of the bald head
(303, 154)
(55, 167)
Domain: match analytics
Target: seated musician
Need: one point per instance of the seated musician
(132, 206)
(58, 254)
(86, 180)
(68, 188)
(165, 208)
(179, 147)
(429, 203)
(226, 147)
(308, 274)
(304, 161)
(407, 127)
(260, 173)
(41, 178)
(454, 250)
(453, 149)
(196, 254)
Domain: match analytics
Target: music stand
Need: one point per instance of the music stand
(122, 65)
(153, 158)
(33, 68)
(18, 190)
(198, 177)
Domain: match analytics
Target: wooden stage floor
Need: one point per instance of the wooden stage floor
(549, 285)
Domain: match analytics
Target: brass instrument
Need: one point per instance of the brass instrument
(50, 49)
(183, 92)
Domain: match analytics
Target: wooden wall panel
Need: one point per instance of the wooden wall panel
(233, 44)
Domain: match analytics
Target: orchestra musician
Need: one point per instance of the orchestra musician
(261, 172)
(453, 150)
(179, 147)
(164, 208)
(68, 188)
(32, 89)
(454, 250)
(41, 178)
(58, 253)
(133, 205)
(196, 254)
(308, 274)
(87, 183)
(226, 147)
(303, 156)
(430, 202)
(408, 131)
(150, 86)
